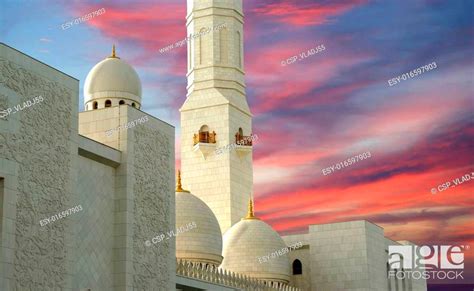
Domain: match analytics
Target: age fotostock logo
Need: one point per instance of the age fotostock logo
(427, 262)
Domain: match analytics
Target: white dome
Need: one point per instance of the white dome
(251, 239)
(112, 79)
(204, 242)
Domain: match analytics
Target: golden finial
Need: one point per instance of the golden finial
(179, 188)
(250, 213)
(113, 53)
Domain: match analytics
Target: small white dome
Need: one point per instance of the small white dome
(203, 243)
(112, 79)
(251, 239)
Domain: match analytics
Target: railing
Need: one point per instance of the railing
(243, 140)
(205, 137)
(218, 276)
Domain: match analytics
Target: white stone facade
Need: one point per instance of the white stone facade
(216, 99)
(125, 186)
(346, 256)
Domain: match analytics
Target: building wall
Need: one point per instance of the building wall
(44, 171)
(302, 281)
(405, 282)
(38, 161)
(94, 124)
(376, 256)
(339, 256)
(144, 195)
(150, 201)
(346, 256)
(93, 234)
(303, 254)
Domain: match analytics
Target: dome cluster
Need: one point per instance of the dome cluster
(113, 82)
(240, 248)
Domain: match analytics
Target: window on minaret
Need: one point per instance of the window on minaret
(108, 103)
(203, 49)
(297, 267)
(190, 51)
(241, 139)
(121, 102)
(223, 54)
(204, 136)
(239, 50)
(94, 105)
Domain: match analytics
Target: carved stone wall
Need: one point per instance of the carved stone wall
(38, 144)
(153, 165)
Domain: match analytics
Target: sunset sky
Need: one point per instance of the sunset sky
(315, 112)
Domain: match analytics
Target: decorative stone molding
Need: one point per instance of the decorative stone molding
(223, 277)
(204, 148)
(243, 150)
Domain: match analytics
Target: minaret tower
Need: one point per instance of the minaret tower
(215, 113)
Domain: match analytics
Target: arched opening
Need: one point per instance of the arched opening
(238, 50)
(133, 104)
(121, 102)
(203, 51)
(94, 105)
(241, 132)
(204, 128)
(108, 103)
(204, 136)
(190, 52)
(223, 42)
(297, 267)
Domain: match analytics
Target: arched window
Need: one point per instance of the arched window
(223, 41)
(190, 52)
(238, 50)
(204, 136)
(203, 50)
(94, 105)
(121, 102)
(297, 267)
(133, 104)
(108, 103)
(241, 132)
(204, 128)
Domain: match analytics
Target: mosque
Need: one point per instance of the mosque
(136, 230)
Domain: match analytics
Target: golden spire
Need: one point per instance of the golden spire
(178, 185)
(113, 53)
(250, 213)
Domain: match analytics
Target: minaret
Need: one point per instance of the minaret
(215, 113)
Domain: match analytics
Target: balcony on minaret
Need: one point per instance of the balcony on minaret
(243, 140)
(204, 137)
(243, 143)
(204, 141)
